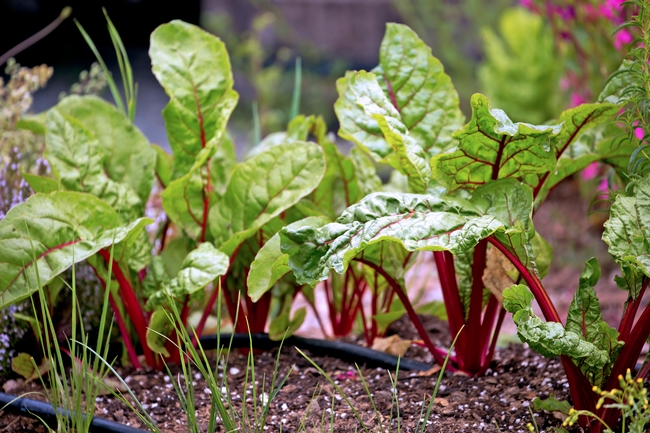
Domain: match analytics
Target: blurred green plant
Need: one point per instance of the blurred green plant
(451, 29)
(521, 72)
(269, 73)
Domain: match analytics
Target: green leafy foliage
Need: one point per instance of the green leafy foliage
(44, 236)
(194, 69)
(627, 232)
(521, 73)
(417, 222)
(586, 339)
(263, 187)
(492, 147)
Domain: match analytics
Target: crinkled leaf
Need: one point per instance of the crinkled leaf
(173, 255)
(261, 188)
(373, 114)
(417, 222)
(551, 338)
(184, 199)
(407, 157)
(492, 147)
(194, 69)
(76, 158)
(584, 318)
(285, 325)
(201, 266)
(631, 279)
(127, 157)
(58, 229)
(366, 173)
(416, 83)
(271, 264)
(581, 141)
(627, 232)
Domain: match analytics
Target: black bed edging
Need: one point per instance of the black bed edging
(45, 411)
(344, 351)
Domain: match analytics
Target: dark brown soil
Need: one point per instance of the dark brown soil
(463, 404)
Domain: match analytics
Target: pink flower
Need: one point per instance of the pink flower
(590, 172)
(621, 38)
(577, 99)
(528, 4)
(603, 187)
(638, 132)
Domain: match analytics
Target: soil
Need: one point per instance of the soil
(463, 404)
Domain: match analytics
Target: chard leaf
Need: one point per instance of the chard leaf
(184, 198)
(194, 69)
(584, 318)
(581, 141)
(417, 222)
(418, 87)
(222, 163)
(59, 229)
(395, 147)
(622, 84)
(76, 159)
(160, 327)
(271, 264)
(551, 338)
(199, 268)
(127, 157)
(492, 147)
(164, 165)
(261, 188)
(627, 232)
(297, 130)
(365, 171)
(40, 183)
(284, 325)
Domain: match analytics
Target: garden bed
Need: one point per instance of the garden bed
(463, 404)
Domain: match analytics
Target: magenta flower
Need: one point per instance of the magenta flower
(590, 172)
(622, 37)
(577, 99)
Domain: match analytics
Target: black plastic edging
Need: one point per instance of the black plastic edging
(45, 411)
(344, 351)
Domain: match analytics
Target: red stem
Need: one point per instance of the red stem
(487, 328)
(545, 303)
(630, 314)
(472, 357)
(485, 363)
(409, 310)
(133, 308)
(121, 326)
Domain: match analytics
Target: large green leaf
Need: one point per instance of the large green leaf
(418, 87)
(164, 165)
(623, 84)
(127, 156)
(627, 232)
(578, 144)
(76, 158)
(417, 222)
(200, 267)
(376, 127)
(551, 338)
(297, 130)
(271, 263)
(194, 69)
(184, 199)
(492, 147)
(261, 188)
(58, 230)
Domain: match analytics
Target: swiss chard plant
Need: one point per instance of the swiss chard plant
(472, 192)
